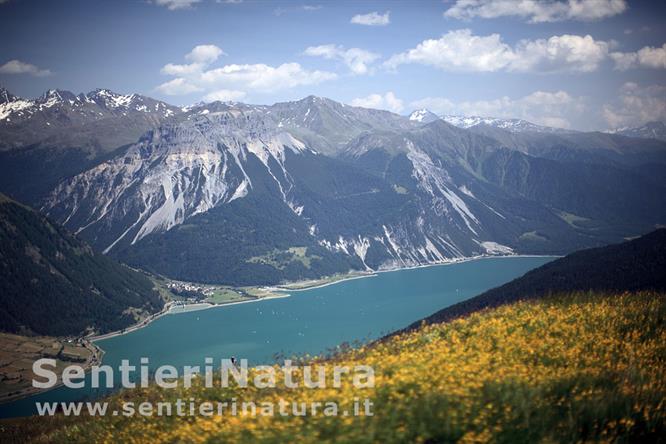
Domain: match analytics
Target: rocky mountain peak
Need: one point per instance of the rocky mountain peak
(423, 115)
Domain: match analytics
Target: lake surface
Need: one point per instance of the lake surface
(309, 321)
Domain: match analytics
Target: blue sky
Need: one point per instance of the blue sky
(582, 64)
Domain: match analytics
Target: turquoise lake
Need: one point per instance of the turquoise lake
(309, 321)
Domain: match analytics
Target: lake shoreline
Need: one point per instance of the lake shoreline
(274, 292)
(280, 291)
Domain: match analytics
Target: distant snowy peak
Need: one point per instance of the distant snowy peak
(10, 104)
(423, 116)
(651, 130)
(133, 102)
(513, 125)
(16, 108)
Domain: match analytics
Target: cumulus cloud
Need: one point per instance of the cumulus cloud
(172, 5)
(231, 82)
(200, 57)
(372, 19)
(356, 59)
(224, 95)
(636, 105)
(460, 50)
(178, 87)
(537, 11)
(19, 67)
(387, 101)
(265, 78)
(556, 109)
(646, 57)
(204, 54)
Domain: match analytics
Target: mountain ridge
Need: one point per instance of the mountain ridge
(360, 188)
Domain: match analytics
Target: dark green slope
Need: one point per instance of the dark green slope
(639, 264)
(54, 284)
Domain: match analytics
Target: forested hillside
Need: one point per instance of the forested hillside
(54, 284)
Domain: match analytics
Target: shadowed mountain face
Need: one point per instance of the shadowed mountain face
(54, 284)
(242, 194)
(635, 265)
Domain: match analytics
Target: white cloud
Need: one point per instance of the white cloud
(172, 69)
(224, 95)
(200, 57)
(356, 59)
(646, 57)
(537, 11)
(204, 54)
(372, 19)
(387, 101)
(19, 67)
(178, 87)
(636, 105)
(231, 82)
(172, 5)
(264, 78)
(557, 109)
(461, 50)
(560, 53)
(312, 7)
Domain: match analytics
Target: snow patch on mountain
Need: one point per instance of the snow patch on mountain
(513, 125)
(423, 116)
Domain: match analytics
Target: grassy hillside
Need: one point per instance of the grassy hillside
(635, 265)
(574, 368)
(54, 284)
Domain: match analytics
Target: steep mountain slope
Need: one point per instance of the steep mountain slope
(192, 173)
(564, 203)
(634, 265)
(54, 284)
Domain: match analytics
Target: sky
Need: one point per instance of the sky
(579, 64)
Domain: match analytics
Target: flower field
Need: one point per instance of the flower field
(571, 368)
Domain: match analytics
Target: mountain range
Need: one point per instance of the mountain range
(651, 130)
(252, 194)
